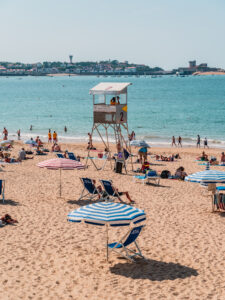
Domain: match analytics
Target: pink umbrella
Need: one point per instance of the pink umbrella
(61, 164)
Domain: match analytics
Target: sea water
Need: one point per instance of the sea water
(158, 108)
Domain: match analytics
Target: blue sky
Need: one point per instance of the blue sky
(165, 33)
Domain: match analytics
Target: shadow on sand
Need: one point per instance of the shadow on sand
(84, 201)
(153, 270)
(9, 202)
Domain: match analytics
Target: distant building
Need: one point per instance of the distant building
(130, 69)
(71, 58)
(192, 64)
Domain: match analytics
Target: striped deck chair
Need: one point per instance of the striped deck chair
(110, 191)
(128, 239)
(72, 156)
(2, 190)
(91, 190)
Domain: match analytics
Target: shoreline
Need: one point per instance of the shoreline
(153, 142)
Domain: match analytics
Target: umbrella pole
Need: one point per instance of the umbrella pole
(60, 187)
(107, 240)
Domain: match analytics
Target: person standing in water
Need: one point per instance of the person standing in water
(18, 134)
(206, 143)
(198, 141)
(179, 141)
(65, 129)
(173, 141)
(31, 127)
(49, 136)
(5, 134)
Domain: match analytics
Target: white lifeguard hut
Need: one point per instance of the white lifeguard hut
(110, 113)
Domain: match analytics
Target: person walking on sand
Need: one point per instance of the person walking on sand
(54, 135)
(179, 141)
(5, 134)
(198, 141)
(18, 134)
(206, 143)
(49, 136)
(173, 141)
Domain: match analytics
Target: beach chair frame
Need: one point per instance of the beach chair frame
(2, 195)
(88, 195)
(124, 250)
(114, 194)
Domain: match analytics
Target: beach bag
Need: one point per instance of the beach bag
(165, 174)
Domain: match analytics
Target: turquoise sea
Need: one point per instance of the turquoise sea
(158, 108)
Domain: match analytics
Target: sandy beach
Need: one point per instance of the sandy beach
(46, 257)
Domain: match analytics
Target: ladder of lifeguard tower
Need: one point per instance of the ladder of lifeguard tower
(119, 140)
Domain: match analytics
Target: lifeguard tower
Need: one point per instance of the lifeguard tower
(110, 114)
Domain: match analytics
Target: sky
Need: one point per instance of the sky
(163, 33)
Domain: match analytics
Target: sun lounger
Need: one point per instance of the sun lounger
(2, 190)
(72, 156)
(121, 247)
(150, 175)
(90, 188)
(59, 155)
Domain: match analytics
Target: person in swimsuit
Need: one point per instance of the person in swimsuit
(54, 135)
(49, 136)
(179, 141)
(173, 141)
(198, 141)
(18, 134)
(206, 143)
(5, 133)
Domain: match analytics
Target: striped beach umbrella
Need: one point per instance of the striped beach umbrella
(207, 176)
(107, 213)
(61, 164)
(6, 142)
(31, 142)
(103, 213)
(138, 143)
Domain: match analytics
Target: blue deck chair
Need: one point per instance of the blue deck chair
(60, 155)
(107, 185)
(2, 190)
(150, 175)
(72, 156)
(128, 239)
(90, 188)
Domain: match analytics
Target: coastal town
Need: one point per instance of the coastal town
(109, 67)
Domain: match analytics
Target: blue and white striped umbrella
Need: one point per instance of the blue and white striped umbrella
(103, 213)
(138, 143)
(207, 176)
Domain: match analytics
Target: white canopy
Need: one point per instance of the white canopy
(110, 88)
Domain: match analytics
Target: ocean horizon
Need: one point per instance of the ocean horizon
(158, 108)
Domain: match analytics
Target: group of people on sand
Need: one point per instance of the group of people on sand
(212, 160)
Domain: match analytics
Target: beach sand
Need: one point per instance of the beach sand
(46, 257)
